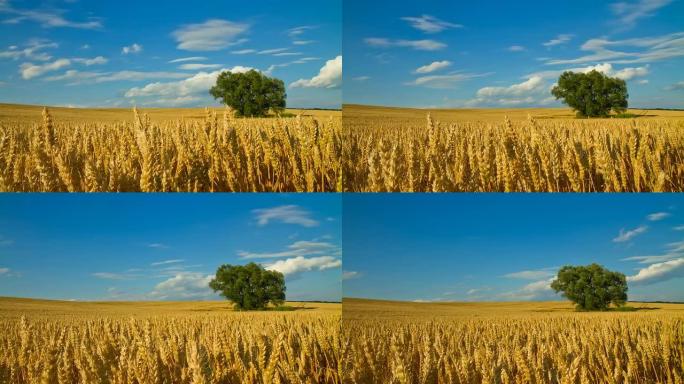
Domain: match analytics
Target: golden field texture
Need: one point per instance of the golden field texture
(213, 154)
(392, 342)
(550, 153)
(198, 342)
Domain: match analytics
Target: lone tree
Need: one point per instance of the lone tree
(250, 93)
(249, 286)
(591, 287)
(592, 94)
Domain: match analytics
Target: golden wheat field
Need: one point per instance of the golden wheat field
(185, 342)
(409, 150)
(194, 151)
(546, 342)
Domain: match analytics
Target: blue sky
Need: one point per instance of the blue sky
(123, 53)
(509, 53)
(495, 247)
(165, 246)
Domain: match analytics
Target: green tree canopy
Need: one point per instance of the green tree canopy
(249, 286)
(591, 287)
(592, 94)
(250, 93)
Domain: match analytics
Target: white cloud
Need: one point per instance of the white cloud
(134, 48)
(434, 66)
(516, 48)
(537, 290)
(679, 228)
(288, 214)
(74, 75)
(560, 39)
(94, 61)
(330, 76)
(112, 276)
(533, 84)
(303, 42)
(421, 45)
(299, 264)
(676, 86)
(186, 59)
(430, 24)
(628, 235)
(212, 35)
(198, 83)
(673, 251)
(196, 66)
(46, 19)
(444, 81)
(659, 272)
(657, 216)
(636, 50)
(298, 248)
(629, 13)
(167, 262)
(532, 274)
(184, 286)
(4, 271)
(348, 275)
(272, 51)
(158, 246)
(79, 77)
(361, 78)
(243, 51)
(32, 51)
(298, 31)
(30, 70)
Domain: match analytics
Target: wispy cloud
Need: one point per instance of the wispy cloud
(198, 66)
(560, 39)
(329, 76)
(186, 59)
(5, 242)
(30, 70)
(114, 276)
(534, 274)
(629, 13)
(167, 262)
(432, 67)
(348, 275)
(430, 24)
(287, 214)
(516, 48)
(299, 264)
(444, 81)
(675, 87)
(212, 35)
(45, 18)
(184, 286)
(298, 31)
(629, 234)
(672, 251)
(657, 216)
(298, 248)
(421, 45)
(33, 50)
(158, 246)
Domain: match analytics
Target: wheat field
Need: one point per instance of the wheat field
(215, 153)
(393, 150)
(396, 342)
(186, 342)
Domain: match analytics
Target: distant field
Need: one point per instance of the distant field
(510, 150)
(32, 113)
(166, 342)
(530, 342)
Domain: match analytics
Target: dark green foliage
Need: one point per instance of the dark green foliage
(249, 286)
(251, 93)
(591, 287)
(592, 94)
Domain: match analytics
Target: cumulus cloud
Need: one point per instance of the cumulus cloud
(329, 76)
(630, 234)
(430, 24)
(198, 83)
(421, 45)
(30, 70)
(287, 214)
(299, 264)
(658, 272)
(134, 48)
(657, 216)
(560, 39)
(629, 13)
(212, 35)
(432, 67)
(184, 286)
